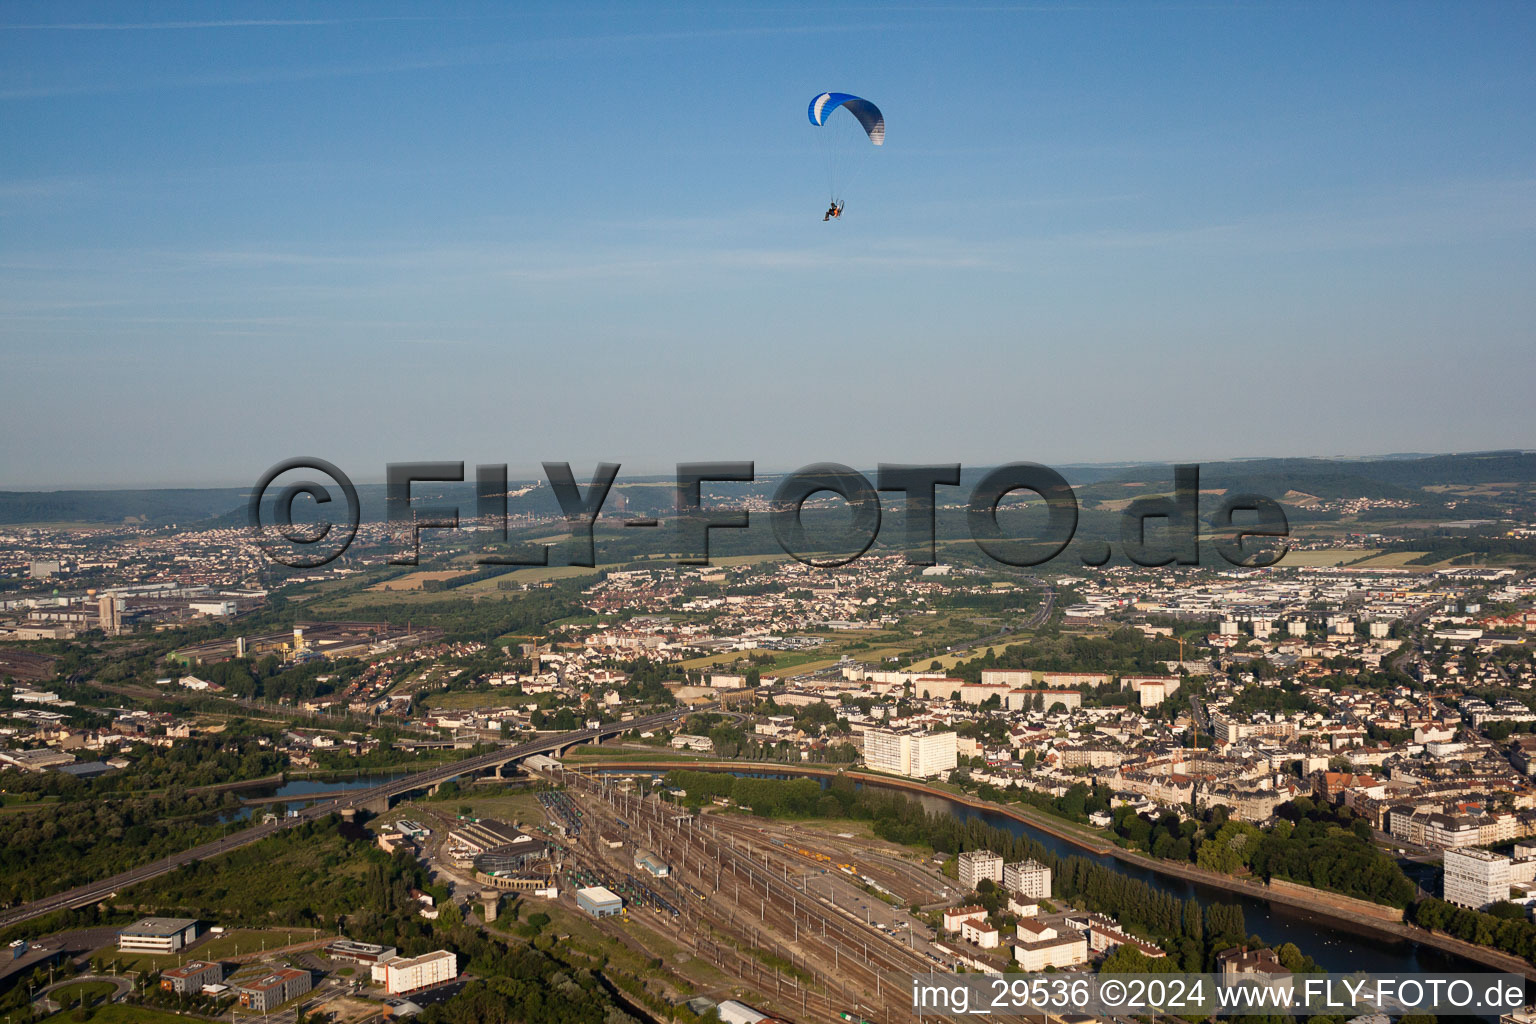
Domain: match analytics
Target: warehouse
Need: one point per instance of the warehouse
(599, 902)
(475, 837)
(648, 861)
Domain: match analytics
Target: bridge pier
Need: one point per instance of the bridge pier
(378, 805)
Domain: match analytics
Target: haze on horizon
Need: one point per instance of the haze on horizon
(1096, 233)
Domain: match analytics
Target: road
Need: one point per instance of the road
(44, 1001)
(107, 887)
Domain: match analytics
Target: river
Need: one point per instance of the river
(1333, 944)
(297, 789)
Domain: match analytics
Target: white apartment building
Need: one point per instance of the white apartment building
(913, 754)
(981, 933)
(1476, 878)
(407, 974)
(978, 864)
(1029, 878)
(1041, 946)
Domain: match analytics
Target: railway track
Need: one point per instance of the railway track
(729, 896)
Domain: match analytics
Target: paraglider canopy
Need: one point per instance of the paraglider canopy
(867, 113)
(844, 138)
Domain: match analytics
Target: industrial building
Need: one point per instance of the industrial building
(733, 1011)
(518, 856)
(599, 901)
(157, 935)
(476, 837)
(189, 979)
(648, 861)
(273, 990)
(360, 952)
(407, 974)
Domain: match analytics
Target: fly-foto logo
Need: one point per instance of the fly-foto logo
(1175, 539)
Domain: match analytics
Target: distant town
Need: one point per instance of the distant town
(754, 790)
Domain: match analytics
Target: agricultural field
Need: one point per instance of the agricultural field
(415, 580)
(1326, 557)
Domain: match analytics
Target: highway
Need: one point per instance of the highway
(94, 891)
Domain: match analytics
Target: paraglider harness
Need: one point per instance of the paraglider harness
(833, 211)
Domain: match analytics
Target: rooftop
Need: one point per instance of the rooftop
(160, 927)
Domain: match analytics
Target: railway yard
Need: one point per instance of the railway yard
(810, 924)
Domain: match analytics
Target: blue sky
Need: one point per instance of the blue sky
(1097, 232)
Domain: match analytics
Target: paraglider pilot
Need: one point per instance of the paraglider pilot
(835, 210)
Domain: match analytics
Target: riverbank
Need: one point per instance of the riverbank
(1314, 902)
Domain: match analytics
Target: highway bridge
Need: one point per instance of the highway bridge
(377, 798)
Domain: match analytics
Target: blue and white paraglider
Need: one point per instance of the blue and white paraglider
(844, 137)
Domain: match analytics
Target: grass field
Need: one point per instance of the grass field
(878, 654)
(533, 574)
(522, 807)
(92, 991)
(1394, 560)
(345, 604)
(117, 1013)
(591, 753)
(1325, 557)
(463, 701)
(949, 661)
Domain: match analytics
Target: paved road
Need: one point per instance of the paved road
(46, 1003)
(107, 887)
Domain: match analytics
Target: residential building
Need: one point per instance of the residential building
(1041, 945)
(975, 865)
(981, 933)
(917, 755)
(1476, 878)
(407, 974)
(1240, 960)
(954, 917)
(1029, 878)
